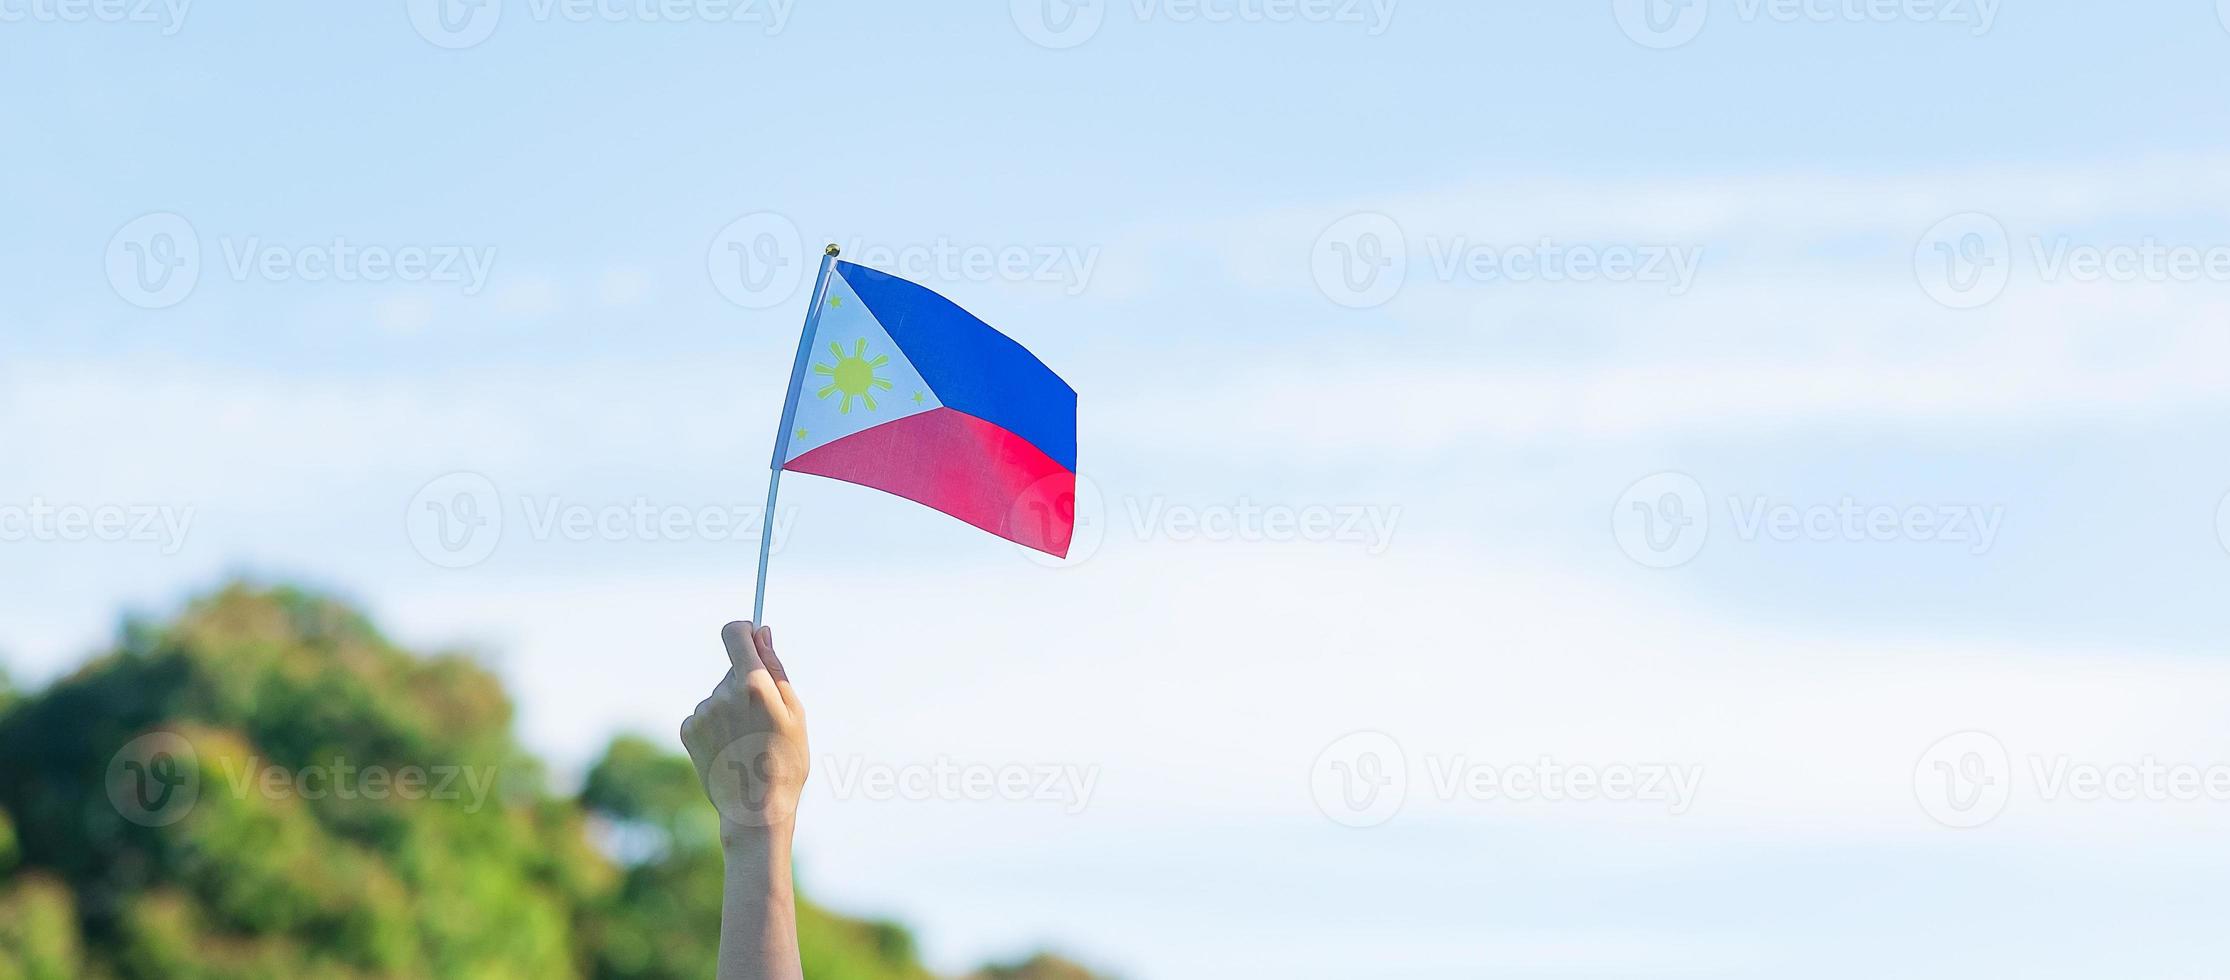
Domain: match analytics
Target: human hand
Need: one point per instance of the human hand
(748, 740)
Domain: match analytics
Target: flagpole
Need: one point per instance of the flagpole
(782, 434)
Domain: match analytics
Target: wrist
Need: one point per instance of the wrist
(760, 843)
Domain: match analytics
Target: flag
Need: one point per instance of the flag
(899, 389)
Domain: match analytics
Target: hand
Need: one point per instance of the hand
(748, 740)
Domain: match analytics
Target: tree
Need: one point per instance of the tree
(354, 811)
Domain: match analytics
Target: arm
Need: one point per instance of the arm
(748, 743)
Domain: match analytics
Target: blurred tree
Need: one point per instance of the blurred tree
(1043, 966)
(308, 851)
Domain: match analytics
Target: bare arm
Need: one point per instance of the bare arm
(748, 742)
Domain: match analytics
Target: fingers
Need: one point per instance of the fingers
(750, 673)
(742, 653)
(689, 724)
(765, 641)
(765, 636)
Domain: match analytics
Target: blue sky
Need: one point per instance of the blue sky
(1180, 197)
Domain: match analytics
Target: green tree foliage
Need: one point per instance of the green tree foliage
(269, 876)
(1043, 966)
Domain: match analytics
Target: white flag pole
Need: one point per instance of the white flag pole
(782, 434)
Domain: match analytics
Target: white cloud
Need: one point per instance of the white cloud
(1204, 679)
(1806, 310)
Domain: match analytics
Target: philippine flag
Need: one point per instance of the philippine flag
(898, 388)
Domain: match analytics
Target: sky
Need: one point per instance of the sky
(1608, 489)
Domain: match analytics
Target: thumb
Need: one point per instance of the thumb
(743, 655)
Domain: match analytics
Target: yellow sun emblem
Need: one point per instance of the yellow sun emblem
(853, 375)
